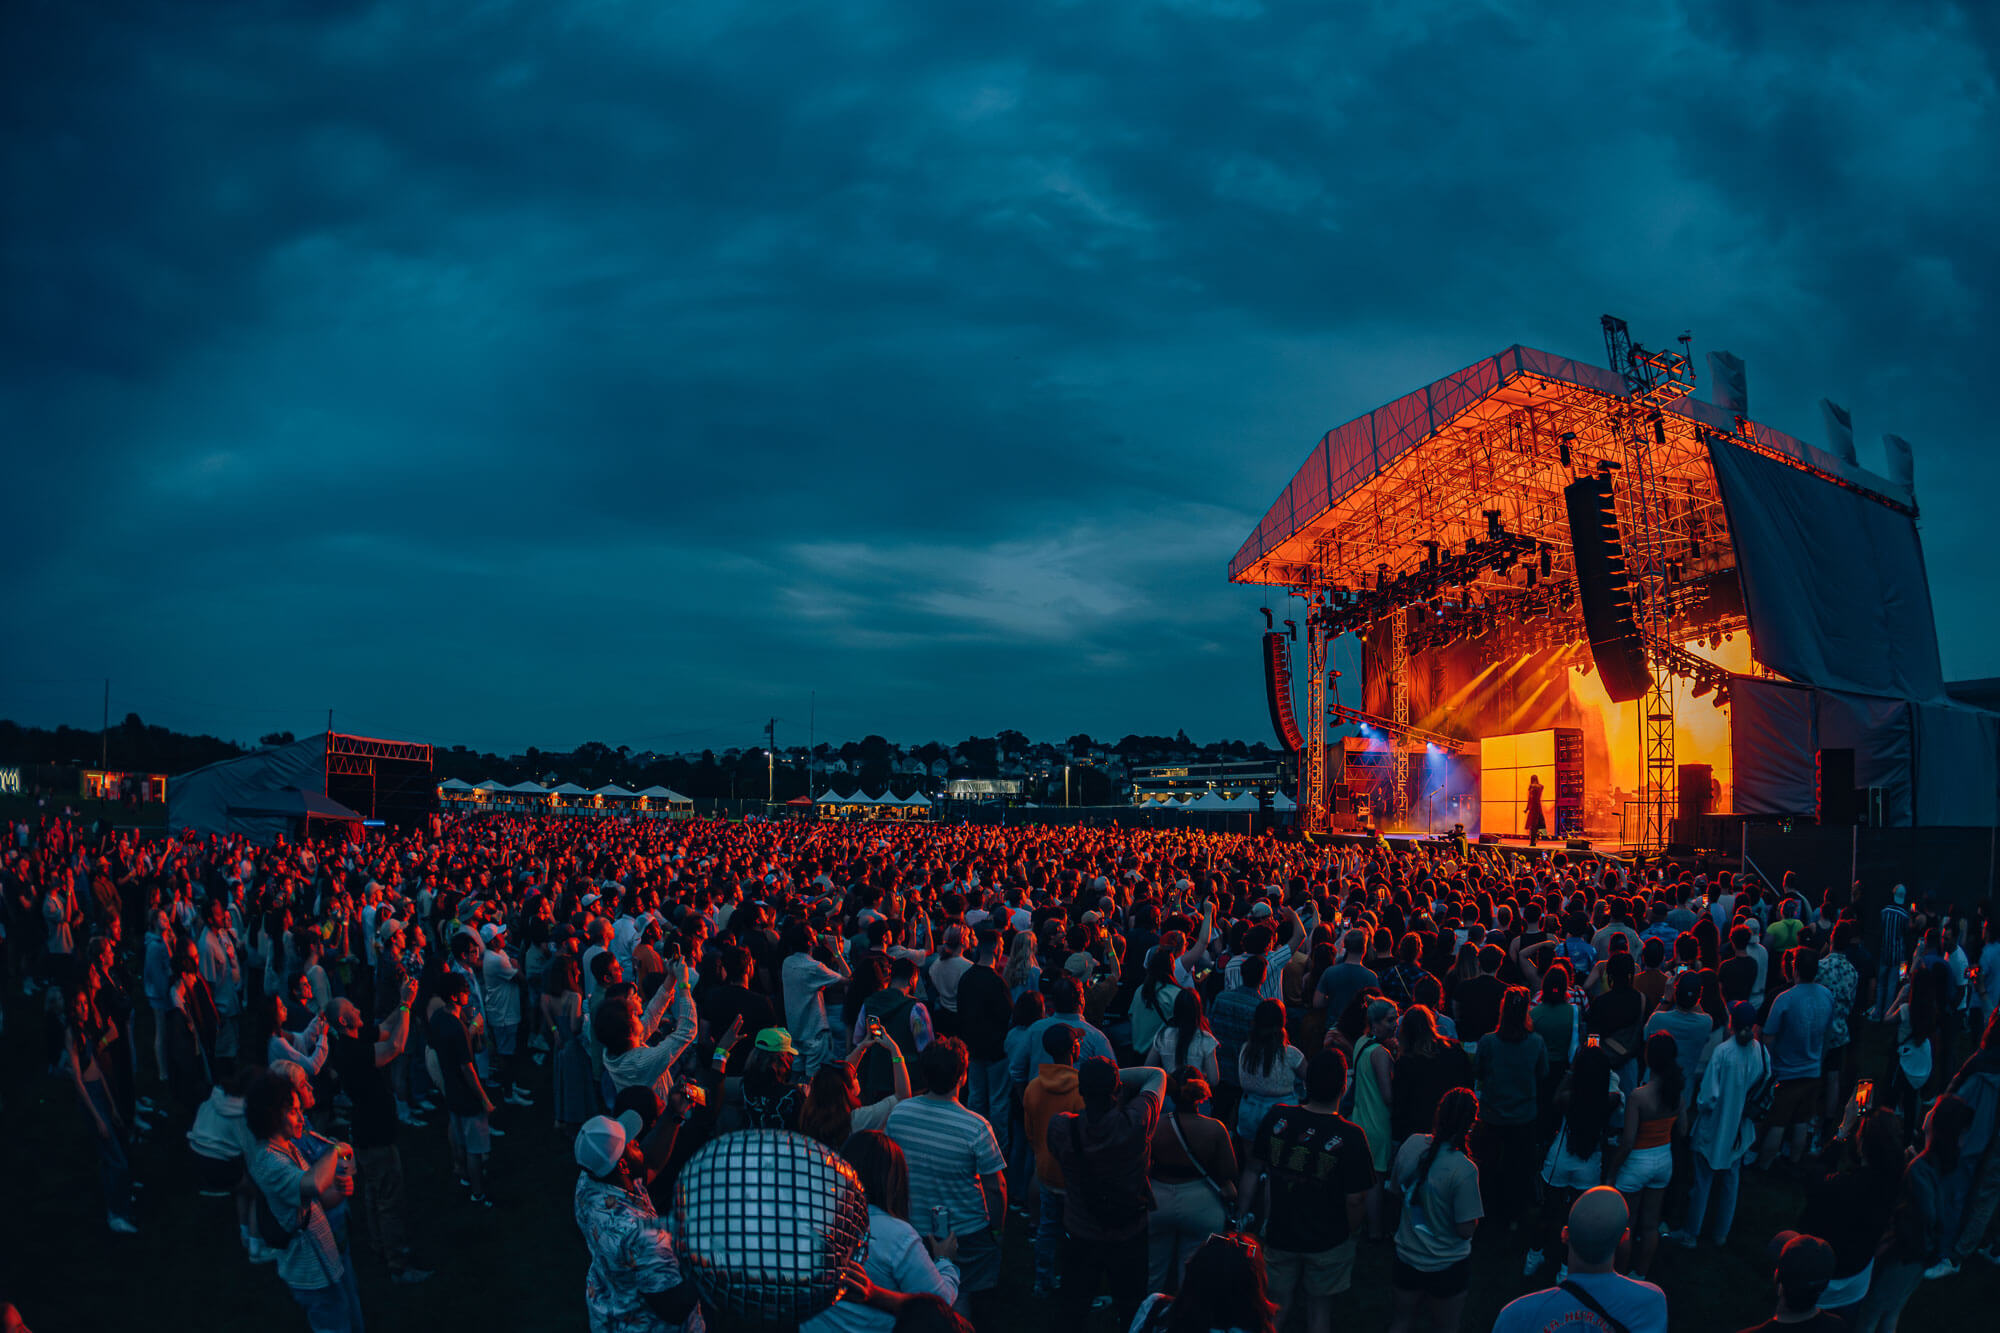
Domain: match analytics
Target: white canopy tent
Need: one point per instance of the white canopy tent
(456, 784)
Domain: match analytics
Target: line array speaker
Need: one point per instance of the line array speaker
(1604, 585)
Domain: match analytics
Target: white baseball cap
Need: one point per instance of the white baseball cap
(601, 1142)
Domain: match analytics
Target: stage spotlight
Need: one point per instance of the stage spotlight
(1703, 686)
(1567, 436)
(1547, 561)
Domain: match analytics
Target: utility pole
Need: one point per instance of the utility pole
(771, 764)
(812, 741)
(104, 750)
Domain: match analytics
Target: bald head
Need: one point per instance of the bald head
(344, 1015)
(1596, 1222)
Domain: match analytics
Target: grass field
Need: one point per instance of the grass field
(521, 1265)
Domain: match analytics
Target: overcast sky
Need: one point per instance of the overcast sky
(516, 374)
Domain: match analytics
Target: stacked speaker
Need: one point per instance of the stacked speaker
(1604, 587)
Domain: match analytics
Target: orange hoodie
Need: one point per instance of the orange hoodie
(1049, 1094)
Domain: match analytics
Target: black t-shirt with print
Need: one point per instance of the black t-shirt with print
(1314, 1160)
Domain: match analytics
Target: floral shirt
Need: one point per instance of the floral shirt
(1837, 974)
(631, 1257)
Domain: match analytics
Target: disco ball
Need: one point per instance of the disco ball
(766, 1219)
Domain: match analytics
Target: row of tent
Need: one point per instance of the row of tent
(460, 789)
(916, 800)
(1213, 800)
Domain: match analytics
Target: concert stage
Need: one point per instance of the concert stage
(1582, 592)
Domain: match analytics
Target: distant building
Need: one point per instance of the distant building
(1249, 777)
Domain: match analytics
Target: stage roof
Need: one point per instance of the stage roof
(1426, 466)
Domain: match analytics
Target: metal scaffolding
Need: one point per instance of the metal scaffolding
(1652, 380)
(1399, 710)
(1315, 797)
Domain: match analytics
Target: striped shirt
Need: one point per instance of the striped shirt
(947, 1149)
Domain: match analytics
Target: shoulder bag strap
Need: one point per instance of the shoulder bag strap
(1181, 1136)
(1589, 1302)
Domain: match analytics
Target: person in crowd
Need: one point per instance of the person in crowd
(1977, 1084)
(833, 1111)
(1919, 1233)
(91, 1076)
(1593, 1294)
(1105, 1149)
(1187, 1039)
(467, 1103)
(635, 1279)
(1065, 1001)
(1426, 1066)
(1269, 1068)
(1339, 984)
(561, 1004)
(1850, 1193)
(1723, 1133)
(955, 1166)
(1314, 1169)
(810, 968)
(1223, 1288)
(1590, 1117)
(1642, 1165)
(1686, 1022)
(1193, 1174)
(1795, 1032)
(362, 1053)
(1616, 1017)
(984, 1011)
(624, 1031)
(1510, 1066)
(293, 1196)
(222, 968)
(897, 1012)
(900, 1258)
(1802, 1267)
(1438, 1181)
(1052, 1093)
(1375, 1091)
(1232, 1014)
(500, 1001)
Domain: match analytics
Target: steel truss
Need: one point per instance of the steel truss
(1652, 380)
(367, 747)
(1399, 709)
(1315, 798)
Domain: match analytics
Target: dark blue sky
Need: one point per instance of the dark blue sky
(519, 374)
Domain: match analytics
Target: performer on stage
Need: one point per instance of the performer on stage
(1537, 824)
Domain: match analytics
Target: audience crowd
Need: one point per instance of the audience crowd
(1206, 1079)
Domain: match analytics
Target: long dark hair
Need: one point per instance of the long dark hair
(885, 1176)
(831, 1100)
(1159, 971)
(1266, 1041)
(1457, 1113)
(1589, 1101)
(1663, 1064)
(1188, 1020)
(1223, 1287)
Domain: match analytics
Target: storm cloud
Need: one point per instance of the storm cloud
(519, 374)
